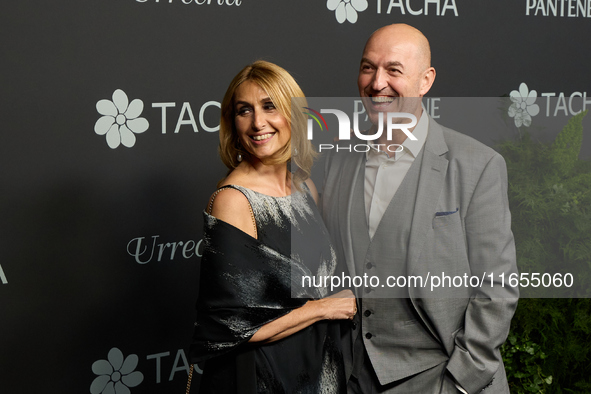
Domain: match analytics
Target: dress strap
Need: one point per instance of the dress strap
(213, 196)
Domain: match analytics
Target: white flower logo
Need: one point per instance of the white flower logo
(523, 107)
(346, 9)
(120, 120)
(115, 375)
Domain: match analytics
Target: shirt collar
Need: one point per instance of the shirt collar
(420, 131)
(411, 146)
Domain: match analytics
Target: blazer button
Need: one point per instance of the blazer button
(367, 313)
(367, 290)
(369, 265)
(368, 335)
(353, 325)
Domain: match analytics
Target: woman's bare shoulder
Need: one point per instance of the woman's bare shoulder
(232, 206)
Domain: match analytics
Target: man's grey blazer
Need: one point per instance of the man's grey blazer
(461, 224)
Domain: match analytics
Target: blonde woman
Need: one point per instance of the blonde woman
(258, 329)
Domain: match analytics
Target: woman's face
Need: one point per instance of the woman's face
(261, 128)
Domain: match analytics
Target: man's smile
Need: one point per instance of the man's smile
(381, 99)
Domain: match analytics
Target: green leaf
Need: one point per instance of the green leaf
(565, 150)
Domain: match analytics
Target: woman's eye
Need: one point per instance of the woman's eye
(243, 110)
(268, 105)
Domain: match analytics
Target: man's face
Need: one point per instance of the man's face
(392, 75)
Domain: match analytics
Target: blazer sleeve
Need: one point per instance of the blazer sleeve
(491, 250)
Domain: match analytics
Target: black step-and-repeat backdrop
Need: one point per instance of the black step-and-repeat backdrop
(108, 151)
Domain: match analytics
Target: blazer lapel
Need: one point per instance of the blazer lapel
(431, 181)
(432, 178)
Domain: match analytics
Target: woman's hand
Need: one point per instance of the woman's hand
(341, 305)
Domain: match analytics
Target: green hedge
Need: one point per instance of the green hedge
(549, 346)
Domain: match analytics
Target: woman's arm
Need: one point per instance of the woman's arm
(233, 207)
(338, 306)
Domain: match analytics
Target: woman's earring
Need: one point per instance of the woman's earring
(239, 157)
(295, 151)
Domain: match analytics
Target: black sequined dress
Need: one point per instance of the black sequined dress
(246, 283)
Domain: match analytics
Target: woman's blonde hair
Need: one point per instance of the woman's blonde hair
(281, 87)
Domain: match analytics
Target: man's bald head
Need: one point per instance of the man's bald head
(400, 32)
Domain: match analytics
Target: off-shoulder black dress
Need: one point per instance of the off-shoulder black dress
(247, 282)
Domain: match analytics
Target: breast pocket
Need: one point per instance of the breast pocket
(444, 219)
(447, 244)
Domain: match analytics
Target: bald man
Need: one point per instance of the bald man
(435, 204)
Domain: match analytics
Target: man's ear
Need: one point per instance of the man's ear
(427, 80)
